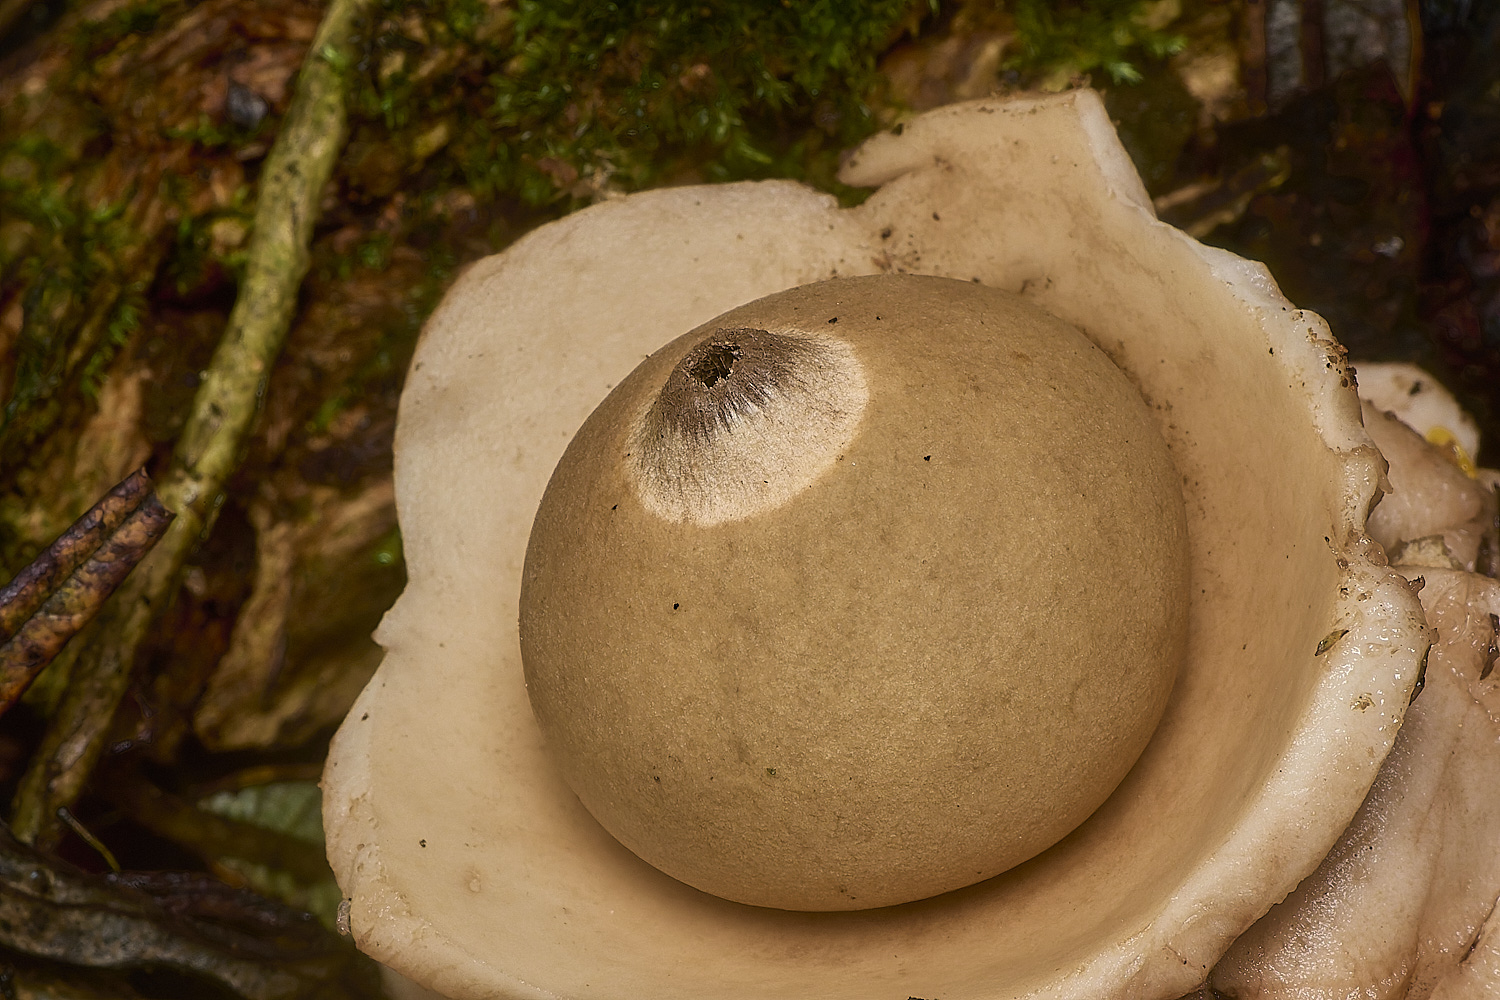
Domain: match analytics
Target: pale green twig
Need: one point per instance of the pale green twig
(295, 172)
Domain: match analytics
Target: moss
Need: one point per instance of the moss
(70, 274)
(573, 96)
(208, 248)
(211, 134)
(1068, 38)
(549, 102)
(124, 319)
(383, 368)
(553, 101)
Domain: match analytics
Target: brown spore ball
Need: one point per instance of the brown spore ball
(860, 593)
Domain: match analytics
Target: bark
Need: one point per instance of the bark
(186, 924)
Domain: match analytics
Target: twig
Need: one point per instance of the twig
(74, 604)
(21, 598)
(87, 836)
(223, 411)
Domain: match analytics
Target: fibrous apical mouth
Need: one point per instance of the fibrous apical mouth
(745, 418)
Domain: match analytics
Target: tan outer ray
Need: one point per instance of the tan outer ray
(474, 871)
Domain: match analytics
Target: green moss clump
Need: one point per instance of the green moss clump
(576, 95)
(554, 101)
(741, 82)
(1073, 37)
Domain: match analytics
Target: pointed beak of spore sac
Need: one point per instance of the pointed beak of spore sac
(746, 419)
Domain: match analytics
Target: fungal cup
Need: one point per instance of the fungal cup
(471, 866)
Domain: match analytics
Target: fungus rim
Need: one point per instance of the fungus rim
(1161, 945)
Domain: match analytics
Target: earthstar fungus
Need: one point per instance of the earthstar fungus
(473, 869)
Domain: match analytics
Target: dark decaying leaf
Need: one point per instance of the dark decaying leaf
(189, 924)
